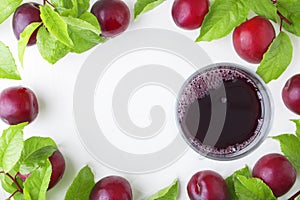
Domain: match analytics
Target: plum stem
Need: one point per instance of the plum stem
(283, 19)
(295, 195)
(48, 2)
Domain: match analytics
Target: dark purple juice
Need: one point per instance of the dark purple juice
(221, 111)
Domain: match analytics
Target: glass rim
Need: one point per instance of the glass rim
(267, 101)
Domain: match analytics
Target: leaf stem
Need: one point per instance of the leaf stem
(15, 182)
(295, 195)
(13, 194)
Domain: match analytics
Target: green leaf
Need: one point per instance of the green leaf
(50, 47)
(57, 3)
(143, 6)
(65, 8)
(231, 179)
(297, 123)
(69, 8)
(293, 6)
(73, 8)
(295, 26)
(66, 11)
(90, 18)
(290, 147)
(8, 68)
(222, 18)
(7, 7)
(83, 6)
(11, 145)
(55, 25)
(19, 196)
(82, 185)
(264, 8)
(252, 188)
(83, 39)
(36, 151)
(79, 23)
(276, 59)
(168, 193)
(24, 38)
(36, 185)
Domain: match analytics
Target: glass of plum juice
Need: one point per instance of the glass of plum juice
(224, 111)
